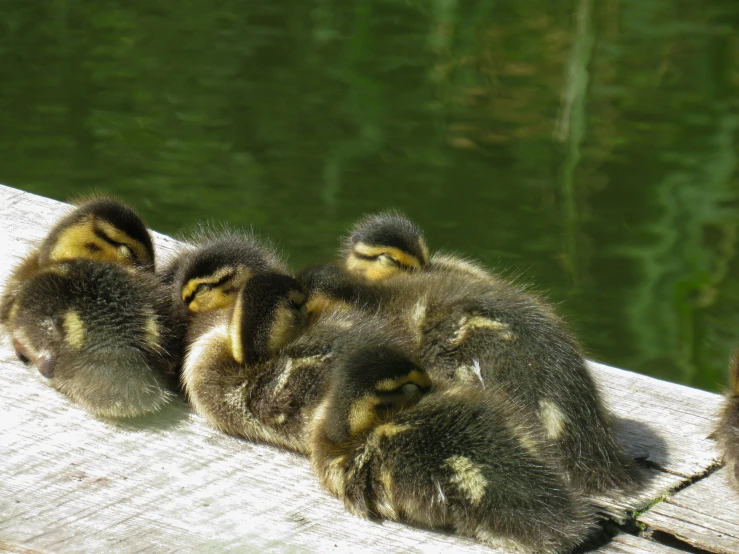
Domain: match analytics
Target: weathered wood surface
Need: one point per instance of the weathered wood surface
(704, 515)
(629, 544)
(71, 483)
(666, 423)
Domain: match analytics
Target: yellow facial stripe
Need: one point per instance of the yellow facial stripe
(189, 288)
(416, 377)
(424, 251)
(212, 300)
(224, 284)
(234, 331)
(403, 258)
(362, 415)
(112, 232)
(74, 329)
(371, 269)
(319, 303)
(152, 329)
(80, 241)
(282, 330)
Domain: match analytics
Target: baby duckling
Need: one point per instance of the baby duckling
(261, 371)
(387, 244)
(384, 245)
(234, 373)
(258, 369)
(99, 229)
(208, 275)
(727, 433)
(88, 311)
(476, 329)
(391, 447)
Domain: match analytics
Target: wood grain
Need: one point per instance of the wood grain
(665, 423)
(169, 483)
(704, 515)
(630, 544)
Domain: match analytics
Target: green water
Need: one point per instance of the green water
(587, 147)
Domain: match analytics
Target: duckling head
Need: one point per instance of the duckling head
(87, 329)
(371, 385)
(383, 245)
(269, 312)
(210, 276)
(100, 229)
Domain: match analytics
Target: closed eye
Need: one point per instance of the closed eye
(389, 261)
(125, 251)
(203, 287)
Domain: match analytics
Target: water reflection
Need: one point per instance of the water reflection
(588, 147)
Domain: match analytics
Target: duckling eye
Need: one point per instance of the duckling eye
(125, 251)
(202, 287)
(410, 389)
(386, 260)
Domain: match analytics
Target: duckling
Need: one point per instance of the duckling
(476, 329)
(258, 368)
(340, 390)
(727, 433)
(99, 229)
(88, 311)
(390, 445)
(385, 244)
(207, 275)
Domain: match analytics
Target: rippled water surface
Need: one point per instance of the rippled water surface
(586, 147)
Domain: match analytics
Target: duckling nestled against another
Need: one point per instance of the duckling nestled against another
(211, 269)
(88, 311)
(342, 388)
(254, 365)
(473, 328)
(390, 445)
(727, 433)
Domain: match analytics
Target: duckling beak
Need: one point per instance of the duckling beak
(46, 365)
(45, 362)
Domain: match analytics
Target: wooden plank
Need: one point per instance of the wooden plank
(648, 411)
(704, 515)
(72, 483)
(630, 544)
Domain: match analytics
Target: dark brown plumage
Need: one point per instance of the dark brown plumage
(473, 328)
(344, 389)
(211, 268)
(87, 310)
(442, 458)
